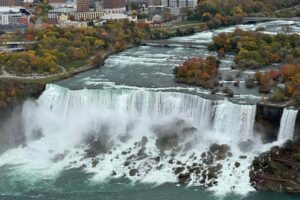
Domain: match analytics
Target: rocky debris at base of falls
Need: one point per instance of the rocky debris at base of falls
(133, 172)
(173, 136)
(58, 157)
(203, 170)
(277, 170)
(97, 146)
(95, 162)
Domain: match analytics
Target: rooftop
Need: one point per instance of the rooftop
(10, 9)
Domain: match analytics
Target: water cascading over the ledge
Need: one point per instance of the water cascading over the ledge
(230, 119)
(63, 124)
(235, 120)
(287, 124)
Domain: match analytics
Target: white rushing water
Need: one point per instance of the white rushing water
(287, 124)
(63, 124)
(235, 120)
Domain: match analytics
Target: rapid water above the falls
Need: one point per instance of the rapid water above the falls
(152, 67)
(127, 131)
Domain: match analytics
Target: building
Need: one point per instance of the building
(84, 16)
(154, 2)
(114, 6)
(176, 5)
(83, 5)
(156, 10)
(8, 3)
(74, 24)
(179, 3)
(77, 16)
(14, 3)
(13, 17)
(118, 16)
(28, 3)
(56, 1)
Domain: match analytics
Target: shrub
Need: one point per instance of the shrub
(228, 91)
(250, 83)
(278, 95)
(264, 83)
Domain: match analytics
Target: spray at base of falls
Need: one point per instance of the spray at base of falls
(287, 125)
(151, 137)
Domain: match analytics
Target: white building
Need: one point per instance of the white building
(4, 20)
(74, 24)
(13, 16)
(118, 16)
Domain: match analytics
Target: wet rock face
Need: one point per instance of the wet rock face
(95, 162)
(97, 146)
(278, 170)
(184, 177)
(58, 157)
(169, 136)
(144, 141)
(267, 122)
(220, 151)
(205, 169)
(133, 172)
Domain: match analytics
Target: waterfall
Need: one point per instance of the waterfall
(139, 102)
(226, 118)
(63, 125)
(287, 125)
(235, 120)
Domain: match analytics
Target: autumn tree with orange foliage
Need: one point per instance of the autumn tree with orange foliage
(290, 74)
(199, 71)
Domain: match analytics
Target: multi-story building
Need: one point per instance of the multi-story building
(82, 5)
(179, 3)
(12, 3)
(78, 16)
(114, 6)
(74, 24)
(176, 5)
(7, 3)
(13, 17)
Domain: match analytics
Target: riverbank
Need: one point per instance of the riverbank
(16, 89)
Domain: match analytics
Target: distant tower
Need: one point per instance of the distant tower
(82, 5)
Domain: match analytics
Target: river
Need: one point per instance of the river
(127, 131)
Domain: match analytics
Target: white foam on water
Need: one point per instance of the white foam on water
(65, 119)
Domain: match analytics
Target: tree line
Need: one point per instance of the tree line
(56, 46)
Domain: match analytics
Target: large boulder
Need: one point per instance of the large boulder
(172, 135)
